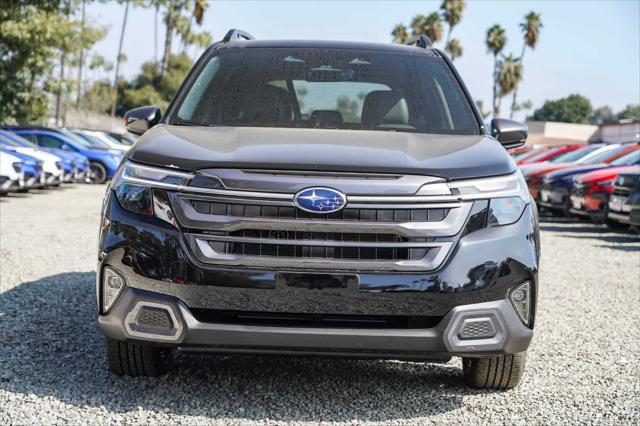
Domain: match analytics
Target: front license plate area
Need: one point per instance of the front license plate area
(577, 203)
(544, 196)
(288, 280)
(616, 203)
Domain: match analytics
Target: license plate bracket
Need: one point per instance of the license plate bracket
(311, 281)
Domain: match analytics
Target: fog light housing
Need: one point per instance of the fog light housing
(521, 300)
(112, 285)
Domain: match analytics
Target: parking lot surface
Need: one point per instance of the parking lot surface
(584, 363)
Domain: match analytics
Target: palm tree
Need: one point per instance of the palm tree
(400, 34)
(118, 59)
(495, 41)
(170, 24)
(509, 75)
(432, 27)
(454, 48)
(452, 14)
(531, 29)
(417, 23)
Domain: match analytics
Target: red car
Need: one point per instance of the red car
(591, 192)
(549, 154)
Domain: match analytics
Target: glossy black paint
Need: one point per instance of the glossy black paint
(510, 133)
(484, 266)
(195, 147)
(139, 120)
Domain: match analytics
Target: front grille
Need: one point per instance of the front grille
(302, 244)
(347, 214)
(314, 320)
(579, 190)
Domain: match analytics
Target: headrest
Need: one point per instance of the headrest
(384, 107)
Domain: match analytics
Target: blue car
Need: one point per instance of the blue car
(103, 162)
(31, 169)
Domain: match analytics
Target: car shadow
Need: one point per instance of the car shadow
(50, 346)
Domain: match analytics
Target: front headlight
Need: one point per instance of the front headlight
(143, 189)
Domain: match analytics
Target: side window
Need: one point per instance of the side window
(48, 141)
(28, 136)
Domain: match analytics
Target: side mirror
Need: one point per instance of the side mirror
(510, 133)
(139, 120)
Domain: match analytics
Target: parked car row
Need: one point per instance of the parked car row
(599, 182)
(40, 157)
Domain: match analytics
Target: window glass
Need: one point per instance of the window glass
(628, 159)
(603, 156)
(328, 88)
(48, 141)
(574, 155)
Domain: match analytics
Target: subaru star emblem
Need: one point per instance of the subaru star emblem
(320, 200)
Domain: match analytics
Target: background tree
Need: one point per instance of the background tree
(602, 115)
(452, 14)
(495, 41)
(531, 30)
(430, 25)
(509, 75)
(400, 34)
(119, 58)
(480, 106)
(572, 109)
(631, 112)
(454, 48)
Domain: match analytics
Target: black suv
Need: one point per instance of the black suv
(320, 198)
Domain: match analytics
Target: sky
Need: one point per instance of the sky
(586, 47)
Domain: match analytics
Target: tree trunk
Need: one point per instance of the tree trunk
(115, 78)
(59, 94)
(155, 35)
(496, 108)
(515, 89)
(81, 61)
(168, 40)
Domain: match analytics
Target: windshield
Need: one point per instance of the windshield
(328, 89)
(628, 159)
(76, 139)
(91, 141)
(15, 140)
(603, 156)
(574, 155)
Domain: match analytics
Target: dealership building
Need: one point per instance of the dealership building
(552, 133)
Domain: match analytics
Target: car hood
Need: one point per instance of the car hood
(449, 156)
(607, 173)
(572, 171)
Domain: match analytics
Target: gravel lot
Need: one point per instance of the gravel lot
(584, 363)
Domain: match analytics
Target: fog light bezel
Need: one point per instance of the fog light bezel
(522, 307)
(106, 307)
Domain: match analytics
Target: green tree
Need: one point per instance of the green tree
(480, 106)
(631, 112)
(454, 48)
(452, 14)
(35, 37)
(531, 31)
(496, 40)
(430, 25)
(509, 75)
(602, 115)
(572, 109)
(400, 34)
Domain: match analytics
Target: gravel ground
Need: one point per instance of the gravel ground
(583, 366)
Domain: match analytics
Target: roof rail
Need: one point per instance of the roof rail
(234, 34)
(420, 41)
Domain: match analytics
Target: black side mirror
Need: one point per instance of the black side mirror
(139, 120)
(510, 133)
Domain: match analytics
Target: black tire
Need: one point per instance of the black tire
(500, 372)
(99, 172)
(130, 359)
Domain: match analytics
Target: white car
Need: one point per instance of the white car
(11, 176)
(51, 165)
(105, 139)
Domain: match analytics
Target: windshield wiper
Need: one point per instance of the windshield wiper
(181, 122)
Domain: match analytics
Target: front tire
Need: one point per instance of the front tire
(500, 372)
(99, 172)
(131, 359)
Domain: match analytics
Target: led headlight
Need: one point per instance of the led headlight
(143, 189)
(112, 285)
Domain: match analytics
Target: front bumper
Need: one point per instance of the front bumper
(475, 280)
(8, 185)
(555, 198)
(505, 333)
